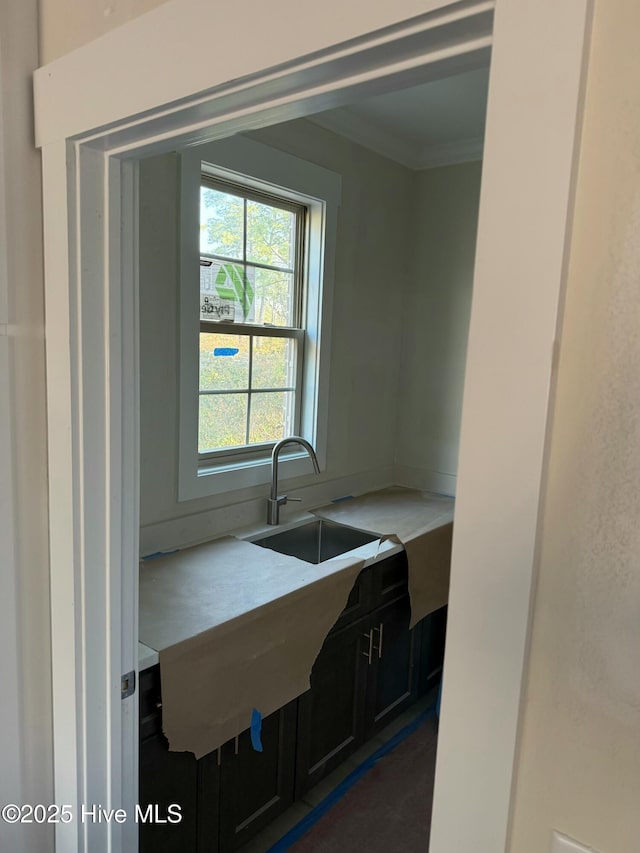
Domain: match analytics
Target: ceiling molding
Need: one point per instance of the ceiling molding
(461, 151)
(388, 144)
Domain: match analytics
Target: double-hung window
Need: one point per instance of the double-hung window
(252, 293)
(257, 247)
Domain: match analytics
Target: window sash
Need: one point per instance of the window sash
(300, 212)
(253, 331)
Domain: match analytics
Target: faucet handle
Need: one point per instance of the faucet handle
(294, 499)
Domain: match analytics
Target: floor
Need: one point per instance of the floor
(302, 808)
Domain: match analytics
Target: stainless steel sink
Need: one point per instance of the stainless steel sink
(316, 541)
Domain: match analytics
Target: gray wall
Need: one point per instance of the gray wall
(26, 774)
(370, 277)
(435, 325)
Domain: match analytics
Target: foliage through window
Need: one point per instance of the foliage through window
(251, 326)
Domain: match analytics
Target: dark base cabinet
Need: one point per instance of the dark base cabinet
(255, 787)
(331, 715)
(369, 670)
(365, 675)
(434, 629)
(167, 778)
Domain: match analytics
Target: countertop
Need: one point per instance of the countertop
(261, 576)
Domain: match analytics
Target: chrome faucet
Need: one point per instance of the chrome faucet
(274, 502)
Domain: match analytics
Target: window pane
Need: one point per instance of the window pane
(274, 297)
(227, 291)
(274, 363)
(270, 235)
(271, 416)
(224, 362)
(221, 223)
(222, 421)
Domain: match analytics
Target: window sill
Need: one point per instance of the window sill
(214, 478)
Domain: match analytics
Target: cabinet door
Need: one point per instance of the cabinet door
(331, 713)
(360, 601)
(167, 778)
(208, 803)
(255, 787)
(434, 628)
(393, 681)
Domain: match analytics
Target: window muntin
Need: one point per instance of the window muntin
(251, 328)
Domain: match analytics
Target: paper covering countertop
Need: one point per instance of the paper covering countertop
(238, 627)
(422, 522)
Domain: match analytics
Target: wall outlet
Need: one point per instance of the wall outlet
(563, 844)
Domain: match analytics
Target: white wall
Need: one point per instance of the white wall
(25, 654)
(579, 762)
(68, 24)
(371, 271)
(436, 325)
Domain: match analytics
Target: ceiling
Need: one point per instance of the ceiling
(433, 124)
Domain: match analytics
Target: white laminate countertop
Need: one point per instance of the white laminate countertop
(284, 581)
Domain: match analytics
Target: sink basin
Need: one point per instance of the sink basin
(316, 541)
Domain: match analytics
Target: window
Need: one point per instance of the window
(257, 246)
(251, 319)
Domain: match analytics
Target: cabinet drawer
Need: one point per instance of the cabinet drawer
(389, 579)
(360, 600)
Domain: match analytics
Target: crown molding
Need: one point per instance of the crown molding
(388, 144)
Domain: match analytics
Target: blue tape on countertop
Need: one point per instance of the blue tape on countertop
(339, 500)
(226, 351)
(331, 799)
(256, 730)
(159, 554)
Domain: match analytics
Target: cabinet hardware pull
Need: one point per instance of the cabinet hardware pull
(369, 654)
(219, 754)
(159, 704)
(380, 641)
(236, 744)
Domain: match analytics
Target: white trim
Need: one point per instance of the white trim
(256, 164)
(385, 142)
(524, 223)
(461, 151)
(353, 46)
(92, 418)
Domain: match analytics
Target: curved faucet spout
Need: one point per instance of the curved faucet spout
(274, 503)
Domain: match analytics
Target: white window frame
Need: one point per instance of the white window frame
(265, 169)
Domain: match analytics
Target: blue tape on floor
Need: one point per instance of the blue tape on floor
(256, 730)
(296, 832)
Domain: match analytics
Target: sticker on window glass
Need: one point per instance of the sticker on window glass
(227, 291)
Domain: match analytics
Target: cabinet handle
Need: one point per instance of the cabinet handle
(380, 627)
(235, 745)
(219, 755)
(369, 654)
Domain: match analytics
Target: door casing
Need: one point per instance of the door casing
(91, 139)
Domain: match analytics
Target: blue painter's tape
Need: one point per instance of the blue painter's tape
(226, 351)
(309, 820)
(256, 730)
(339, 500)
(159, 554)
